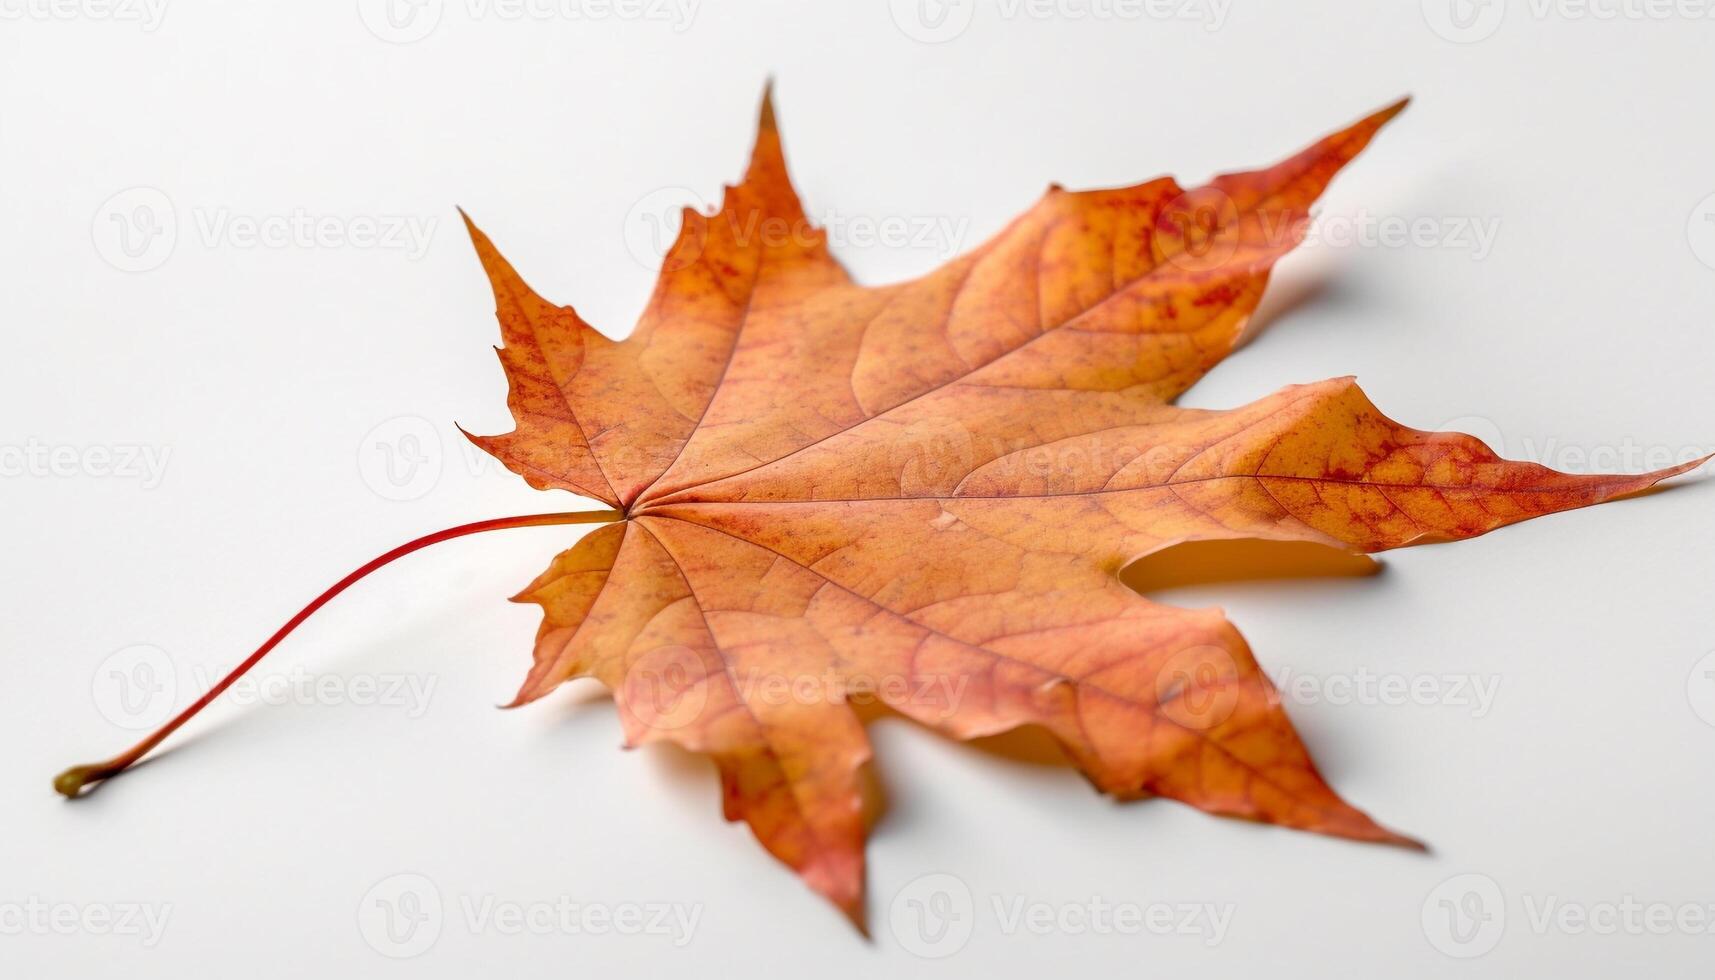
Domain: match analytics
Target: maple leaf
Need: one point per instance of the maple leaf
(825, 496)
(923, 494)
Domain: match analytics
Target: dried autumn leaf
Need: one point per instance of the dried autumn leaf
(922, 493)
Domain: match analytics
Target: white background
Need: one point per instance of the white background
(271, 834)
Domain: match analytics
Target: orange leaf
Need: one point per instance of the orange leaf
(922, 494)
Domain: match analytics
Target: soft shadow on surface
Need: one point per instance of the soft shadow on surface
(1287, 294)
(1246, 560)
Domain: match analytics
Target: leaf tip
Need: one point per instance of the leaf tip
(1686, 467)
(1393, 110)
(469, 226)
(1405, 842)
(765, 115)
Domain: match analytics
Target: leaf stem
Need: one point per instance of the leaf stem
(71, 782)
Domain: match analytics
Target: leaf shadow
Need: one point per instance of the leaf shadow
(1291, 291)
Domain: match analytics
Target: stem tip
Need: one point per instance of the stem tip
(71, 782)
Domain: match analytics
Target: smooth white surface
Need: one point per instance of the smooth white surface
(264, 371)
